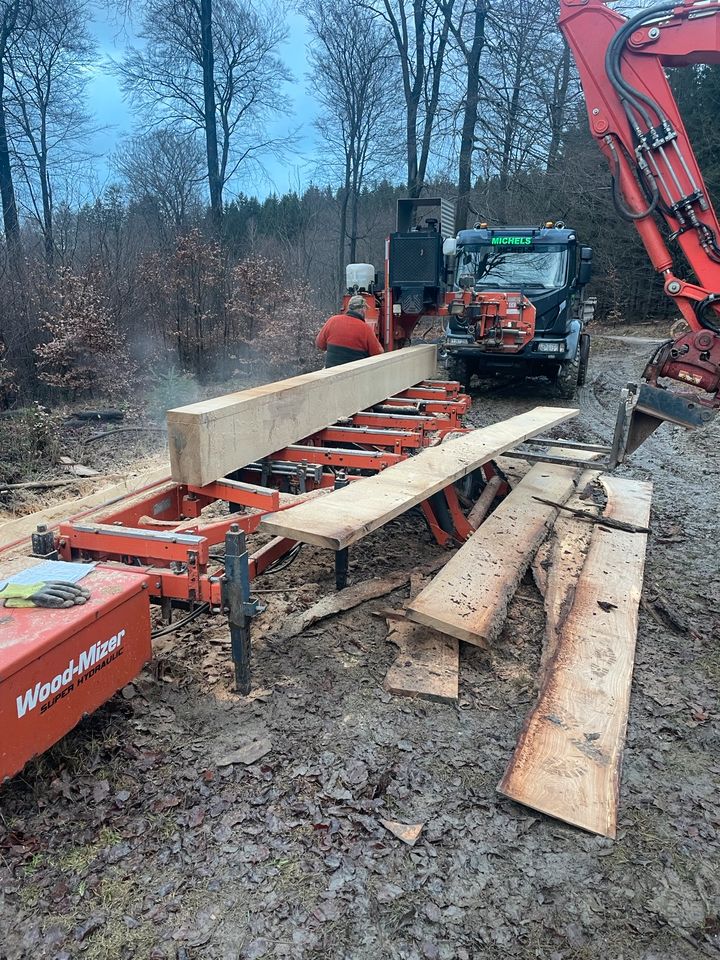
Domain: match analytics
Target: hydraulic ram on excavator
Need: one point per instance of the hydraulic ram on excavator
(658, 186)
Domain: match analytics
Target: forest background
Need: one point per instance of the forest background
(182, 270)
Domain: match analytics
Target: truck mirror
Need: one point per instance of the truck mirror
(584, 273)
(450, 247)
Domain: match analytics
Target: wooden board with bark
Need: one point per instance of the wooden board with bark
(347, 515)
(23, 527)
(568, 757)
(557, 564)
(469, 598)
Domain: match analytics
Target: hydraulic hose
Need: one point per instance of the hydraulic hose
(702, 307)
(636, 98)
(624, 211)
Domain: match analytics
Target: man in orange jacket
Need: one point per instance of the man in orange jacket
(346, 336)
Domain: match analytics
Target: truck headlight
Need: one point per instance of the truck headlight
(456, 308)
(549, 346)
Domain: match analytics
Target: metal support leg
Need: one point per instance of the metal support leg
(239, 605)
(439, 506)
(166, 610)
(341, 569)
(342, 559)
(43, 543)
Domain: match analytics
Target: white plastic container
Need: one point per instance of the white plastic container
(359, 276)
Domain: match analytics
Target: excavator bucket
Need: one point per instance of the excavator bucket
(643, 409)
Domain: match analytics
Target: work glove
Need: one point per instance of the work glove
(54, 593)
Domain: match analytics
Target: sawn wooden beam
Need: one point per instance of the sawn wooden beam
(210, 439)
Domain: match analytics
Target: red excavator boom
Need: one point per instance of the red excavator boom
(657, 184)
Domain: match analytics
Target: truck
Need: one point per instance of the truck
(519, 304)
(510, 299)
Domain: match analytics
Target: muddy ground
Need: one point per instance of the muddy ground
(132, 839)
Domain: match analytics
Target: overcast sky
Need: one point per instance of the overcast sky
(115, 120)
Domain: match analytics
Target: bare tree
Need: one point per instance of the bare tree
(513, 118)
(353, 80)
(559, 91)
(48, 70)
(420, 30)
(467, 25)
(165, 166)
(214, 68)
(207, 63)
(13, 14)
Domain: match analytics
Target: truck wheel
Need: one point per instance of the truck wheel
(584, 358)
(566, 379)
(459, 369)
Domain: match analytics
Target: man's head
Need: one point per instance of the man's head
(357, 304)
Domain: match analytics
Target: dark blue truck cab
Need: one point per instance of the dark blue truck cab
(549, 267)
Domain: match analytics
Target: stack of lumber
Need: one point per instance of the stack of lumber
(567, 762)
(568, 758)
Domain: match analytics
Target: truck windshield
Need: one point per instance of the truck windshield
(509, 268)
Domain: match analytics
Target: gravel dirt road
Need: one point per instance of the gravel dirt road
(136, 837)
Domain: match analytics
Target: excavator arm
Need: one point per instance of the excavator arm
(657, 185)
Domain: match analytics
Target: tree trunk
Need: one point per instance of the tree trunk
(210, 114)
(353, 226)
(343, 229)
(7, 190)
(431, 103)
(470, 117)
(46, 192)
(557, 109)
(513, 112)
(413, 186)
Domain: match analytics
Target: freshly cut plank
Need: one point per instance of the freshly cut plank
(355, 511)
(212, 438)
(426, 665)
(469, 597)
(568, 757)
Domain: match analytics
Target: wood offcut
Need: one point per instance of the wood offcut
(352, 596)
(427, 664)
(568, 758)
(469, 598)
